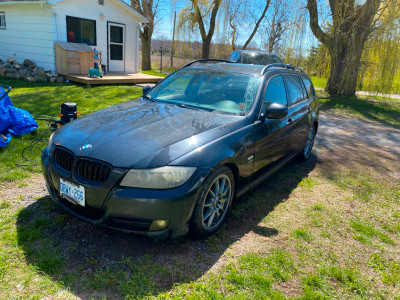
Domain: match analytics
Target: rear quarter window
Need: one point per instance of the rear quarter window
(295, 89)
(309, 87)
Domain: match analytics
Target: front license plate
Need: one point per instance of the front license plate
(72, 192)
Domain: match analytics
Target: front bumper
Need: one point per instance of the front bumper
(129, 209)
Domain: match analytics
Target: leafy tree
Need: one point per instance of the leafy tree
(257, 24)
(199, 14)
(149, 9)
(352, 24)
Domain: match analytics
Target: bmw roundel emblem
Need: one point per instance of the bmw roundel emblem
(86, 147)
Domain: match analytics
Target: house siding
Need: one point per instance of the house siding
(29, 34)
(112, 11)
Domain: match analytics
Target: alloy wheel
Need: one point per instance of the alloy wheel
(309, 142)
(217, 201)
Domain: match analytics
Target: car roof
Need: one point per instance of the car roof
(255, 70)
(255, 51)
(232, 68)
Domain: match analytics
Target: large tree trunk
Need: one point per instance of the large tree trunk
(205, 48)
(146, 53)
(351, 26)
(345, 65)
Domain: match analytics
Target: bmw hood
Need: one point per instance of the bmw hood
(143, 134)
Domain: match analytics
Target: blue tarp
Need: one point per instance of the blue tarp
(13, 120)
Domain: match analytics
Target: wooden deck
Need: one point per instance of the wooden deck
(115, 78)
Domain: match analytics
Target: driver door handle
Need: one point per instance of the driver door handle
(290, 121)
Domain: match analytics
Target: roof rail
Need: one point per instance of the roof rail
(281, 66)
(205, 60)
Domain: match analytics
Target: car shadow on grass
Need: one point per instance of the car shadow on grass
(92, 261)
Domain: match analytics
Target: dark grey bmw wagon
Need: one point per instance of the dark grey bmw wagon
(173, 160)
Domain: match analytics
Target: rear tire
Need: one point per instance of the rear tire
(306, 152)
(213, 203)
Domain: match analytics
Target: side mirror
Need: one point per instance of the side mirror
(146, 89)
(276, 111)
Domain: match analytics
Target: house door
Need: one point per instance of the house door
(116, 47)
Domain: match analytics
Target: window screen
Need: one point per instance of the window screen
(81, 31)
(309, 87)
(2, 20)
(275, 92)
(295, 89)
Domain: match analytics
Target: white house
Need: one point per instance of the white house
(29, 29)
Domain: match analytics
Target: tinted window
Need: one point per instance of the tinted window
(309, 87)
(234, 56)
(275, 92)
(2, 20)
(295, 89)
(81, 31)
(258, 59)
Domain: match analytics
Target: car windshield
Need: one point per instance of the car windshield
(211, 90)
(258, 59)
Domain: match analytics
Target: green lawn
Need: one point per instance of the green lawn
(155, 73)
(319, 82)
(43, 100)
(325, 229)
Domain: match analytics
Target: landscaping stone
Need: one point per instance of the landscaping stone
(13, 76)
(41, 77)
(9, 71)
(30, 79)
(28, 71)
(29, 64)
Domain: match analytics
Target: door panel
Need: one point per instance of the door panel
(298, 113)
(116, 47)
(271, 135)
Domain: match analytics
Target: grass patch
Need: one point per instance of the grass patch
(319, 82)
(302, 234)
(154, 73)
(365, 232)
(43, 100)
(384, 111)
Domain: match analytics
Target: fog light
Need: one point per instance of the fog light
(159, 225)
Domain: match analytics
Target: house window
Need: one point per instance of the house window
(2, 20)
(81, 31)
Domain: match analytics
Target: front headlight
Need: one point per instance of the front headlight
(159, 178)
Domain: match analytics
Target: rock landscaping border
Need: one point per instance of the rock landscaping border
(27, 71)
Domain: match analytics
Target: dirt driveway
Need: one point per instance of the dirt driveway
(341, 141)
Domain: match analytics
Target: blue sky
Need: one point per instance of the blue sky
(164, 26)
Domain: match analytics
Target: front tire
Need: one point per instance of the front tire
(305, 154)
(213, 203)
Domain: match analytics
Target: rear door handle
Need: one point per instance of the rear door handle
(290, 121)
(309, 108)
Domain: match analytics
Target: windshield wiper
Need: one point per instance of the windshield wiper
(150, 98)
(188, 107)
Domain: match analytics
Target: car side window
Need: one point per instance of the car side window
(233, 56)
(275, 92)
(295, 89)
(309, 87)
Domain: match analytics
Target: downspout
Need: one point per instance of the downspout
(53, 13)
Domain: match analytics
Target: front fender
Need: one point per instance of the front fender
(234, 148)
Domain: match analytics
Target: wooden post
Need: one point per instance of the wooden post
(173, 43)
